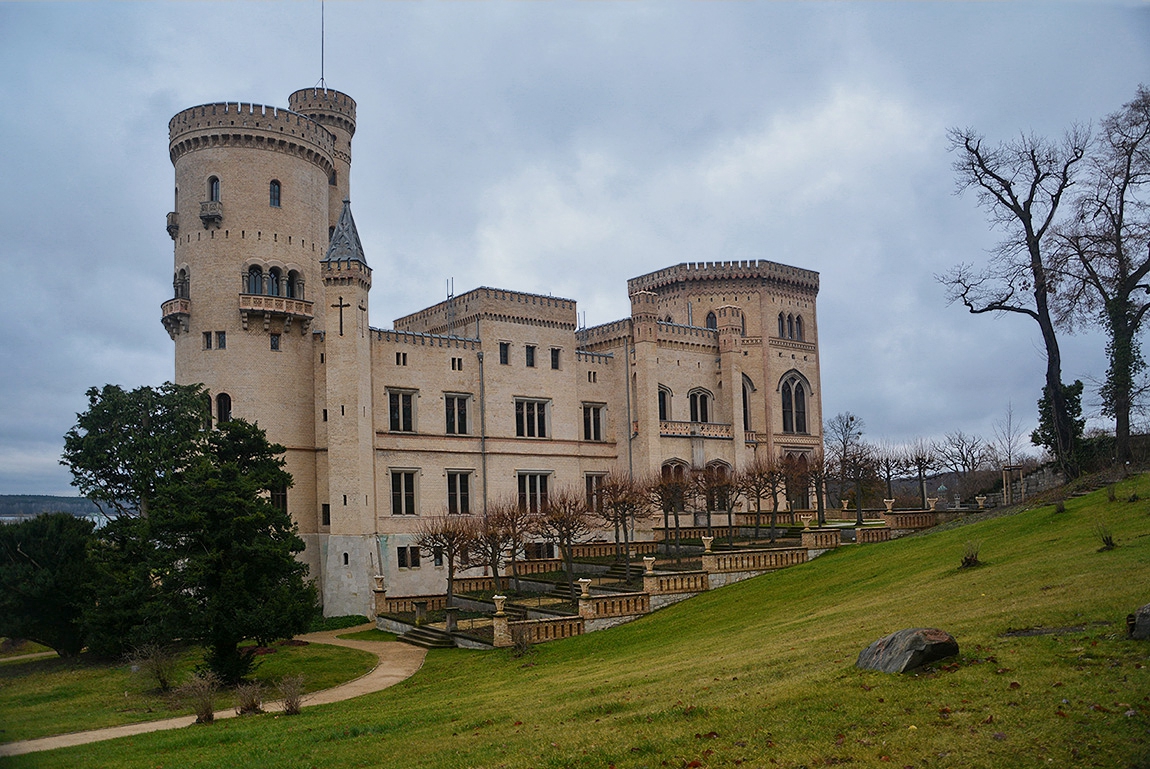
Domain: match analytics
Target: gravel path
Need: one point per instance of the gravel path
(397, 661)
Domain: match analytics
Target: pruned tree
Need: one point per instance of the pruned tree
(818, 470)
(859, 468)
(667, 493)
(1021, 184)
(490, 544)
(964, 455)
(763, 479)
(451, 537)
(1107, 245)
(891, 463)
(622, 503)
(843, 436)
(515, 522)
(565, 521)
(922, 458)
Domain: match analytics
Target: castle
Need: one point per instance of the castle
(489, 395)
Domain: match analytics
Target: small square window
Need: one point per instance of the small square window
(275, 341)
(504, 353)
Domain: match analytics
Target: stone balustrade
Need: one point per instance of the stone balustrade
(872, 534)
(666, 583)
(753, 560)
(693, 532)
(605, 549)
(535, 630)
(614, 605)
(406, 604)
(821, 539)
(540, 566)
(473, 584)
(922, 519)
(704, 429)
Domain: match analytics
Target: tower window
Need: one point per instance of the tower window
(223, 407)
(255, 280)
(214, 189)
(592, 422)
(790, 327)
(275, 342)
(782, 326)
(207, 340)
(799, 327)
(712, 321)
(504, 353)
(279, 499)
(181, 285)
(555, 357)
(274, 280)
(794, 402)
(293, 289)
(274, 194)
(331, 179)
(325, 514)
(700, 406)
(664, 404)
(221, 340)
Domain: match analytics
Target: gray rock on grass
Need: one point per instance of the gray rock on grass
(907, 650)
(1141, 630)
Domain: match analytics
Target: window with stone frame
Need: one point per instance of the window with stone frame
(403, 500)
(700, 401)
(529, 355)
(533, 491)
(408, 557)
(455, 414)
(459, 492)
(593, 421)
(530, 418)
(401, 411)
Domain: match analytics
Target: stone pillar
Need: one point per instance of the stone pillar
(451, 611)
(420, 613)
(499, 623)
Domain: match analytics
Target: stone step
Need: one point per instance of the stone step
(428, 638)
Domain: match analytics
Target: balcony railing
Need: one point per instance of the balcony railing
(176, 313)
(211, 213)
(282, 307)
(173, 224)
(686, 429)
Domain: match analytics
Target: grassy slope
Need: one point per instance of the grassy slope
(761, 673)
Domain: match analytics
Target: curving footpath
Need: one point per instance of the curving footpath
(397, 661)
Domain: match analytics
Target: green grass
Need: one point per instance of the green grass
(54, 695)
(369, 635)
(321, 624)
(761, 674)
(8, 650)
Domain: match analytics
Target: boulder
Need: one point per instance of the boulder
(907, 650)
(1140, 630)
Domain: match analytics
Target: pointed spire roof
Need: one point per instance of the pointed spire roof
(345, 245)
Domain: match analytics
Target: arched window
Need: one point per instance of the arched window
(181, 285)
(274, 281)
(782, 326)
(790, 327)
(799, 327)
(674, 476)
(274, 194)
(223, 408)
(788, 409)
(255, 280)
(214, 189)
(331, 179)
(700, 406)
(669, 319)
(292, 288)
(800, 408)
(746, 408)
(664, 404)
(712, 321)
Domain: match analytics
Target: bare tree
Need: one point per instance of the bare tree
(667, 493)
(961, 453)
(843, 435)
(621, 503)
(490, 542)
(818, 470)
(449, 537)
(1108, 245)
(514, 520)
(922, 458)
(565, 521)
(763, 478)
(891, 462)
(1020, 184)
(1008, 437)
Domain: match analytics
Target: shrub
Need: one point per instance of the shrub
(157, 662)
(970, 555)
(249, 698)
(1060, 506)
(1105, 536)
(521, 642)
(1111, 494)
(292, 690)
(200, 692)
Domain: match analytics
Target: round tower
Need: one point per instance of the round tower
(250, 226)
(336, 112)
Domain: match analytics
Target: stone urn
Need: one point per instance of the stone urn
(649, 564)
(584, 587)
(846, 504)
(806, 519)
(931, 503)
(707, 544)
(500, 601)
(889, 505)
(981, 500)
(378, 583)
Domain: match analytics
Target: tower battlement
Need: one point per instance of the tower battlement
(325, 106)
(760, 269)
(241, 123)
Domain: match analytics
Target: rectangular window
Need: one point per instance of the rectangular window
(533, 491)
(221, 340)
(279, 499)
(455, 407)
(408, 557)
(531, 419)
(593, 482)
(325, 415)
(592, 377)
(325, 514)
(403, 492)
(275, 338)
(504, 353)
(437, 556)
(207, 340)
(592, 422)
(401, 359)
(537, 551)
(457, 364)
(530, 355)
(554, 357)
(458, 493)
(401, 407)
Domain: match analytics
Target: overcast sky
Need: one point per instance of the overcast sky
(558, 148)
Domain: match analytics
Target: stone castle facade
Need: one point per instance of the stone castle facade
(490, 395)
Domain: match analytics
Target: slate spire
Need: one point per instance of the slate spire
(345, 245)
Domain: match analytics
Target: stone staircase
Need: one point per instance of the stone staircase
(428, 638)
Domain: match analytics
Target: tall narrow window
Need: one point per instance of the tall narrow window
(788, 409)
(664, 404)
(782, 326)
(182, 285)
(533, 491)
(530, 355)
(221, 340)
(790, 327)
(458, 493)
(746, 409)
(592, 422)
(711, 321)
(800, 408)
(274, 194)
(214, 189)
(274, 280)
(223, 407)
(531, 419)
(455, 407)
(401, 408)
(555, 357)
(325, 514)
(279, 499)
(504, 353)
(799, 327)
(403, 492)
(594, 481)
(255, 280)
(292, 287)
(700, 406)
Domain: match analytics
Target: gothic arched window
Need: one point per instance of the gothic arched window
(292, 288)
(793, 393)
(664, 404)
(788, 409)
(255, 280)
(800, 408)
(700, 405)
(223, 407)
(712, 321)
(790, 327)
(181, 285)
(782, 326)
(214, 189)
(274, 194)
(746, 408)
(274, 276)
(799, 327)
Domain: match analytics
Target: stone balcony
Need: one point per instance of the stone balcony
(279, 307)
(173, 225)
(211, 213)
(176, 314)
(694, 429)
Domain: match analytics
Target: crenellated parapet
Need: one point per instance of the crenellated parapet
(754, 269)
(325, 106)
(495, 304)
(244, 125)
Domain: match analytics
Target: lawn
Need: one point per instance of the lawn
(55, 695)
(760, 674)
